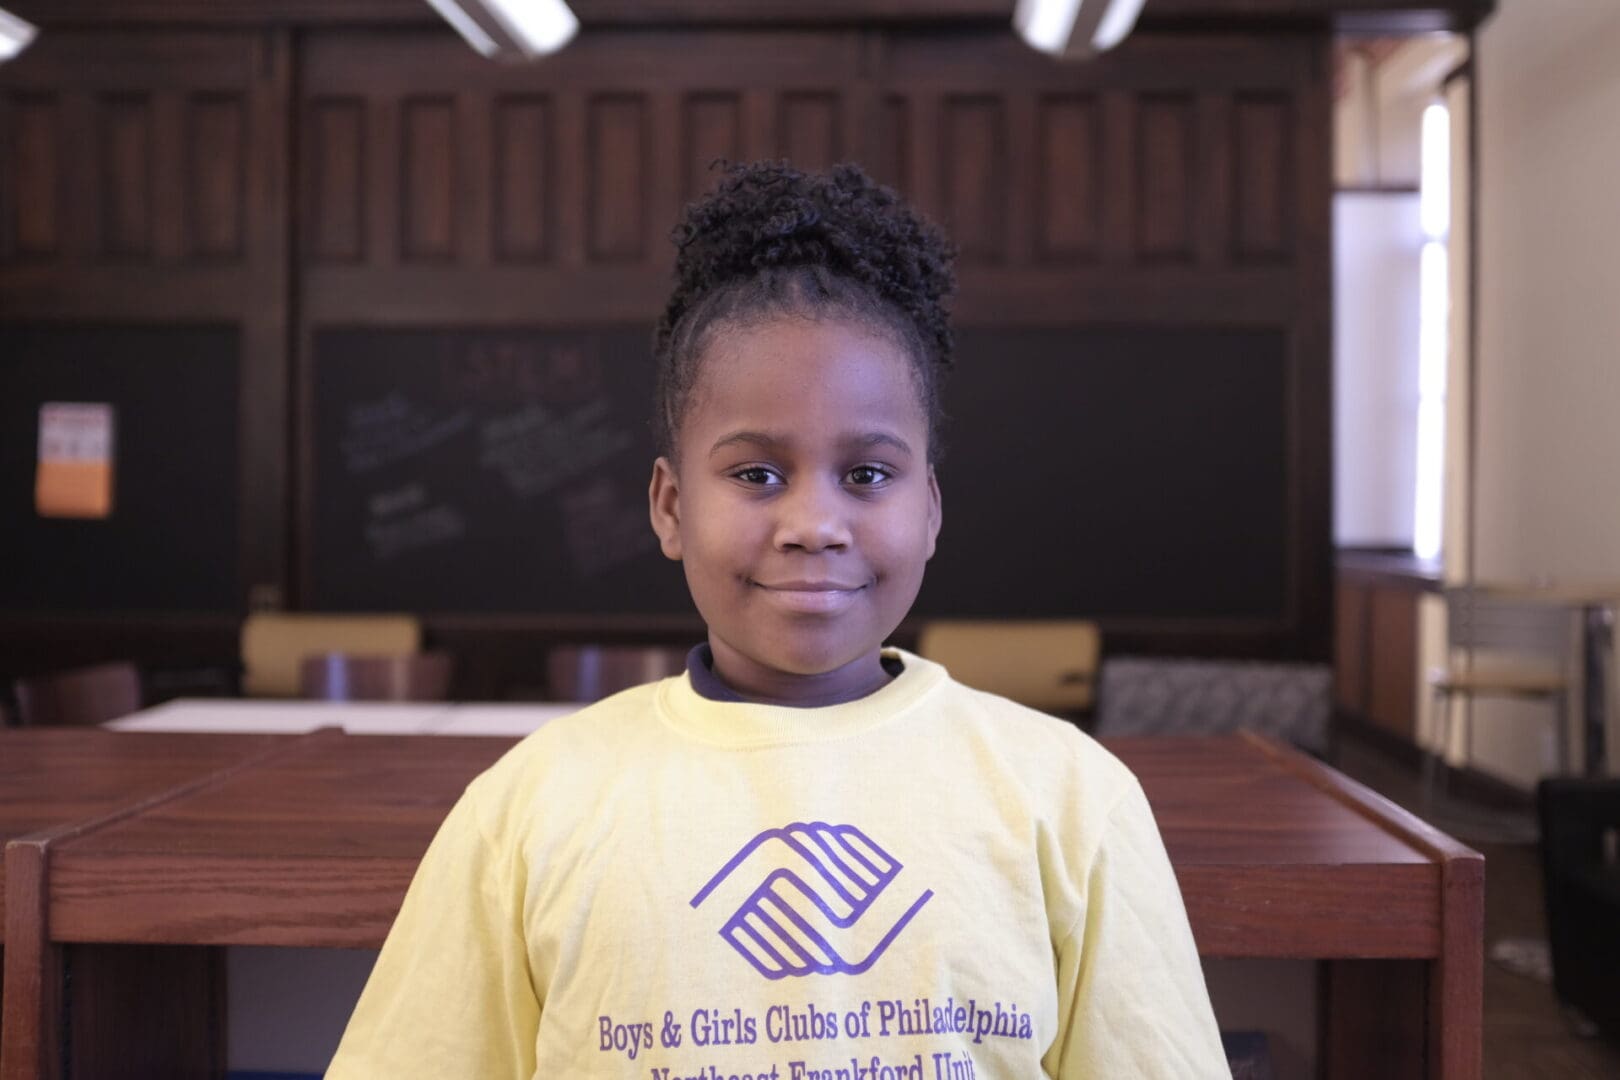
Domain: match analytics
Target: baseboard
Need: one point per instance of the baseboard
(1469, 783)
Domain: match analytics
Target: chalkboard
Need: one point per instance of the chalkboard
(170, 543)
(471, 470)
(1115, 471)
(1128, 472)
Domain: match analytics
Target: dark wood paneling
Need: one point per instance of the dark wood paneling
(1069, 177)
(1165, 153)
(125, 175)
(711, 130)
(1350, 631)
(617, 170)
(523, 177)
(216, 175)
(33, 177)
(1402, 16)
(336, 181)
(888, 157)
(808, 131)
(428, 179)
(1392, 682)
(973, 163)
(1264, 221)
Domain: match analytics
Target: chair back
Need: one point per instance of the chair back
(80, 697)
(1490, 622)
(337, 676)
(274, 644)
(593, 672)
(1048, 664)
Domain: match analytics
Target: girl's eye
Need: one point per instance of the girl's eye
(866, 475)
(757, 474)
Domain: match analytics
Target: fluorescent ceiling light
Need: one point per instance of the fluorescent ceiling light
(15, 34)
(520, 29)
(1075, 28)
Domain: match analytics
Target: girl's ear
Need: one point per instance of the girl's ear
(935, 510)
(664, 508)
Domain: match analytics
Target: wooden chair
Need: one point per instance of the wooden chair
(346, 677)
(1521, 650)
(80, 697)
(1049, 665)
(593, 672)
(274, 644)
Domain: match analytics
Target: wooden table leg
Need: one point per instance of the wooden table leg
(1373, 1019)
(143, 1012)
(33, 973)
(1456, 992)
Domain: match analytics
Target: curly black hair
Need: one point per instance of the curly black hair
(769, 240)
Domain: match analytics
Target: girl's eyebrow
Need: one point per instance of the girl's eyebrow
(765, 440)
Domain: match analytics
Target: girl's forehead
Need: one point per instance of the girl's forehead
(798, 364)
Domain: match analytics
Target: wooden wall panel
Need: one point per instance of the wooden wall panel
(32, 177)
(711, 131)
(523, 194)
(617, 177)
(888, 156)
(1068, 178)
(216, 176)
(973, 163)
(808, 132)
(125, 175)
(1265, 205)
(427, 180)
(336, 179)
(1166, 186)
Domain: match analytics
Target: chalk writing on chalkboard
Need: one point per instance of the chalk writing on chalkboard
(403, 520)
(535, 449)
(389, 429)
(605, 527)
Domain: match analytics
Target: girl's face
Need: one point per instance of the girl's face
(803, 507)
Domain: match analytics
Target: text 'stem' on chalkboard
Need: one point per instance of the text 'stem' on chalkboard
(461, 470)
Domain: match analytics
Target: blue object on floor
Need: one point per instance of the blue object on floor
(1248, 1055)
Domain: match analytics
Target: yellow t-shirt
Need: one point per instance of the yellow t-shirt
(930, 883)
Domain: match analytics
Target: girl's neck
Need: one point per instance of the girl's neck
(768, 686)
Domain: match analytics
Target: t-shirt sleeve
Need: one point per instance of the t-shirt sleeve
(451, 993)
(1131, 994)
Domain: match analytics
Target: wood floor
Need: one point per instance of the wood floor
(1526, 1035)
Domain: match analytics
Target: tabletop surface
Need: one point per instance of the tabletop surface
(1276, 854)
(51, 777)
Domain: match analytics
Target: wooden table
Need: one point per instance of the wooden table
(55, 783)
(314, 844)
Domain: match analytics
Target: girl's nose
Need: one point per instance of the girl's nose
(812, 518)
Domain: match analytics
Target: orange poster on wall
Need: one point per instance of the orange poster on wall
(75, 474)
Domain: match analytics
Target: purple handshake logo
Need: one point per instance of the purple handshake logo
(818, 900)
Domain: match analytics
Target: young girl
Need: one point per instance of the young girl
(810, 857)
